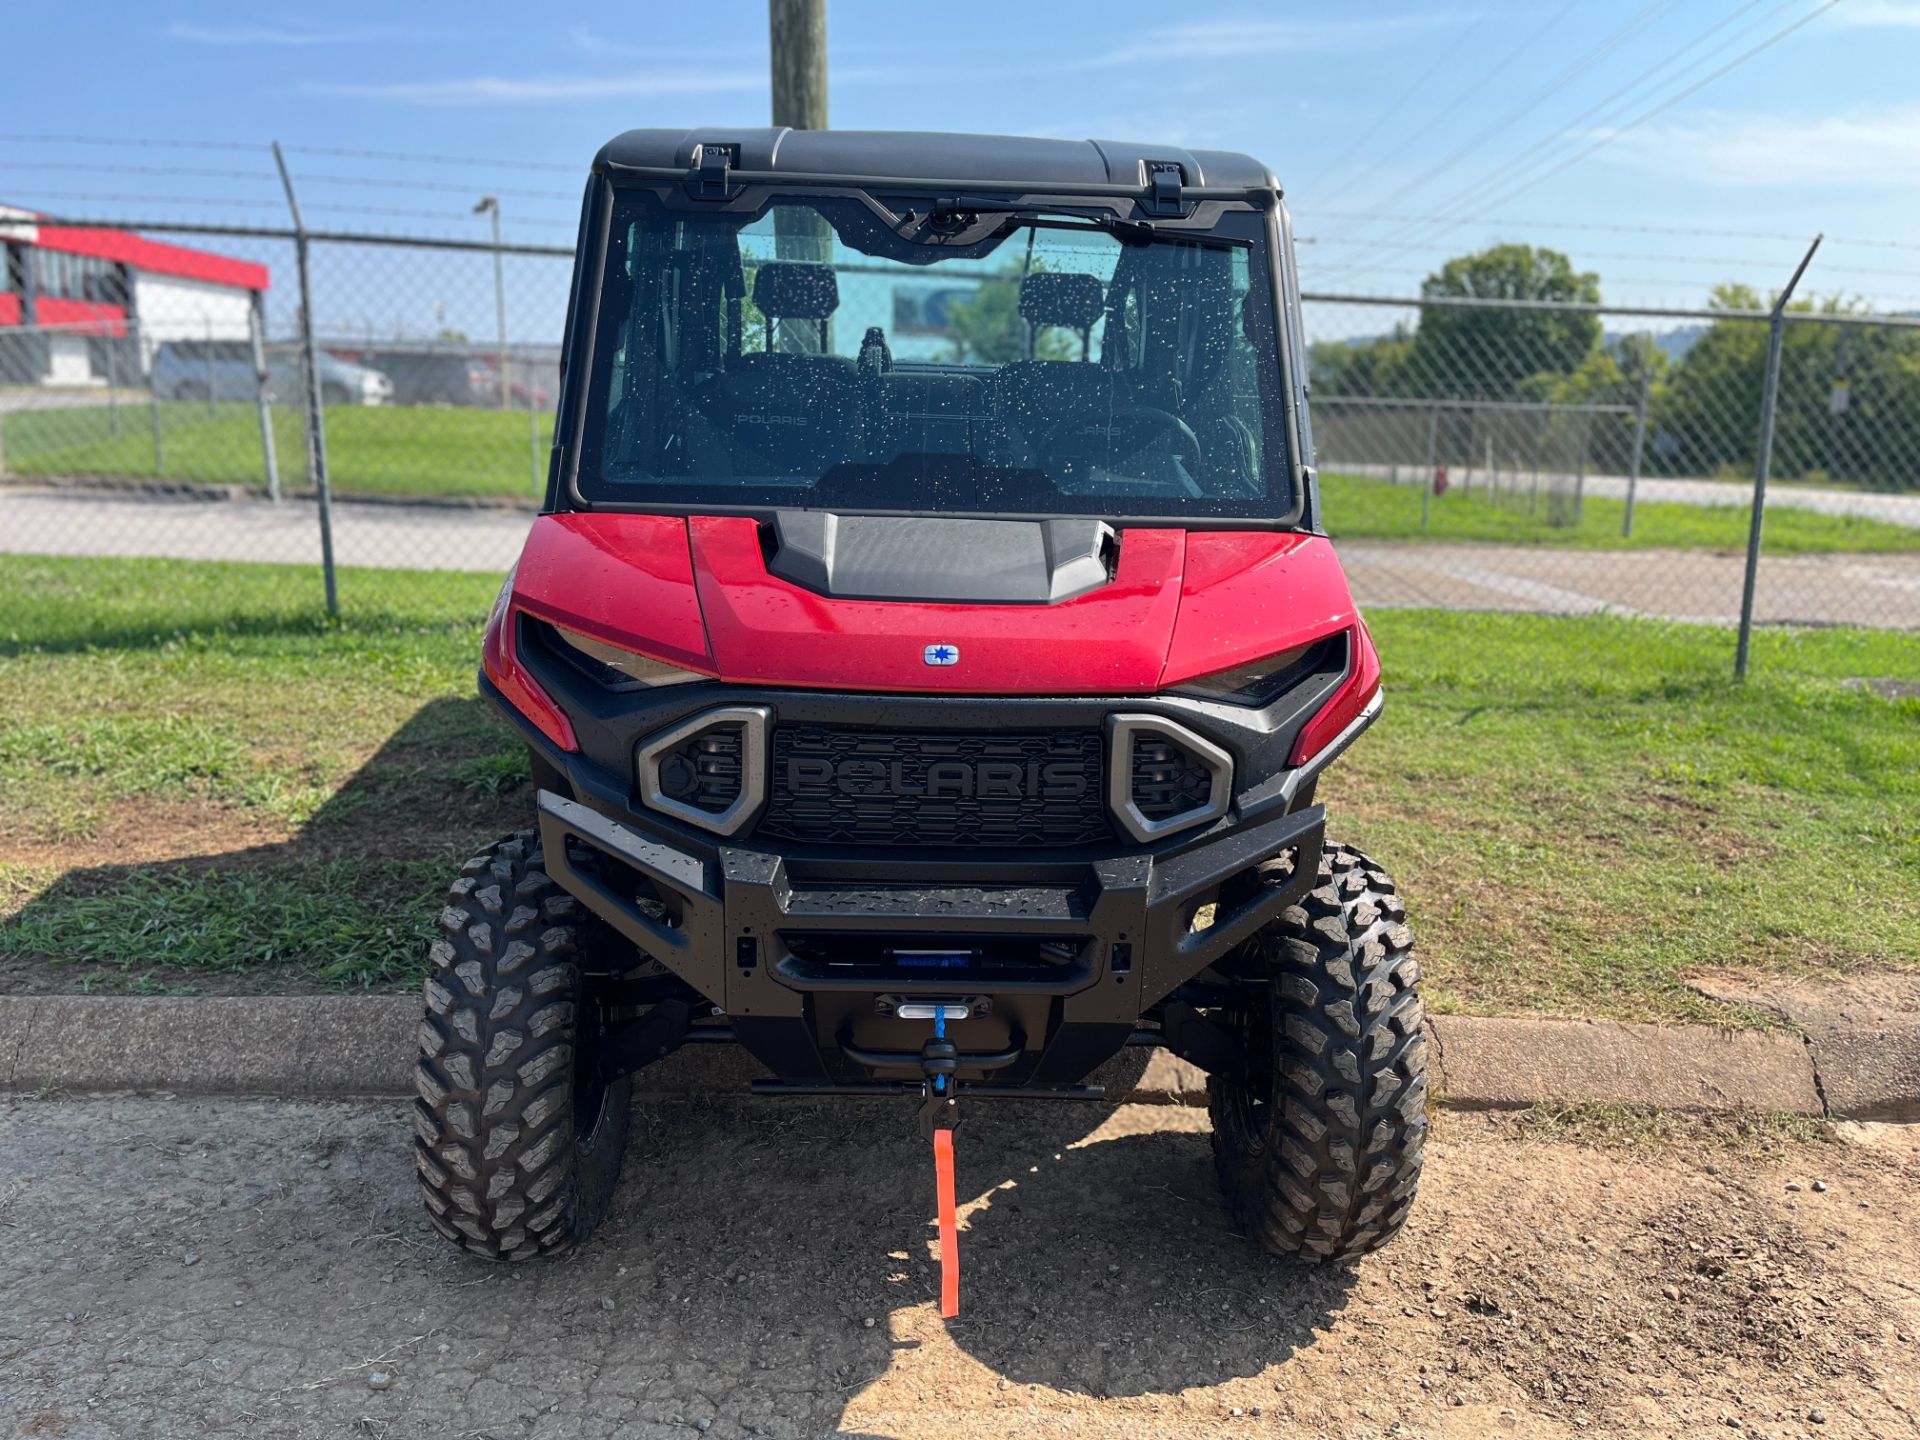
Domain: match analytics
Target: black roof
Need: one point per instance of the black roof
(918, 157)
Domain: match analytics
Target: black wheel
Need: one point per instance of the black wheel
(518, 1145)
(1318, 1143)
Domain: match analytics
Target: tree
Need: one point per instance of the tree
(1847, 408)
(1468, 352)
(1370, 367)
(987, 327)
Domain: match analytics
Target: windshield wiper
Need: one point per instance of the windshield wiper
(958, 222)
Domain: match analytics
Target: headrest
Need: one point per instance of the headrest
(1059, 297)
(796, 290)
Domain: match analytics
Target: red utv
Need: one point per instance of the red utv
(928, 700)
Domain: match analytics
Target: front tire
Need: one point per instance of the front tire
(1318, 1142)
(518, 1144)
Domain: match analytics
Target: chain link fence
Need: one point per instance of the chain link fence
(1577, 459)
(181, 417)
(1473, 455)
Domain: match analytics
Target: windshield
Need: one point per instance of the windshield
(1029, 363)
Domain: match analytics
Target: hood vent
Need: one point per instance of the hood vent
(942, 558)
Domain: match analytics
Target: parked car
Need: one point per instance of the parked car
(522, 399)
(223, 370)
(436, 377)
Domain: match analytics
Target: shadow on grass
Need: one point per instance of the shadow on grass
(348, 901)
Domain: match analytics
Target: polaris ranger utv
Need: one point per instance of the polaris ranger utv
(928, 650)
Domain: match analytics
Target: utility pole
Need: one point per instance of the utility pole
(797, 34)
(490, 205)
(797, 58)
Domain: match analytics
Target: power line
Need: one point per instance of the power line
(1658, 258)
(1449, 225)
(1599, 226)
(399, 156)
(68, 168)
(1393, 112)
(408, 157)
(109, 197)
(1505, 173)
(463, 214)
(1669, 102)
(146, 142)
(1513, 54)
(385, 183)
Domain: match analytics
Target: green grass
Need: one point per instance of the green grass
(1364, 508)
(1582, 811)
(296, 791)
(198, 776)
(371, 450)
(343, 922)
(431, 451)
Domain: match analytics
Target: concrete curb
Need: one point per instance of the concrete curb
(314, 1047)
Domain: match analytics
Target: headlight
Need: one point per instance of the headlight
(598, 658)
(1257, 681)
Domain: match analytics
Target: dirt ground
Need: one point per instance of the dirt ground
(195, 1268)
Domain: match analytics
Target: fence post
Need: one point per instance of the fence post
(262, 389)
(1580, 478)
(153, 411)
(1426, 482)
(316, 414)
(113, 384)
(1639, 446)
(1533, 495)
(533, 433)
(212, 381)
(1769, 396)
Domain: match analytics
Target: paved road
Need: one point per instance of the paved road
(1893, 509)
(768, 1271)
(187, 527)
(16, 398)
(1695, 585)
(1880, 590)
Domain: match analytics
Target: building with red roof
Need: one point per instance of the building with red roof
(90, 303)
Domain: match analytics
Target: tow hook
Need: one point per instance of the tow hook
(939, 1114)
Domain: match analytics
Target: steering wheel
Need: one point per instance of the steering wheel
(1142, 424)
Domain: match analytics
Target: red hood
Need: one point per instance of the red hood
(697, 593)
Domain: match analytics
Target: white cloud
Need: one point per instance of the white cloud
(1240, 39)
(539, 89)
(265, 34)
(1864, 14)
(1869, 148)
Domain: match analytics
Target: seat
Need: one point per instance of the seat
(1034, 398)
(778, 412)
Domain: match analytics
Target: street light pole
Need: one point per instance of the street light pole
(490, 205)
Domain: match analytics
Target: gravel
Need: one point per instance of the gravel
(357, 1320)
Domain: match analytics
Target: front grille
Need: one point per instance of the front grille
(1168, 779)
(972, 789)
(704, 770)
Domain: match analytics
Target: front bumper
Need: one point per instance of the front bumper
(766, 937)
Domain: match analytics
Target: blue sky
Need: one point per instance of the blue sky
(1405, 132)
